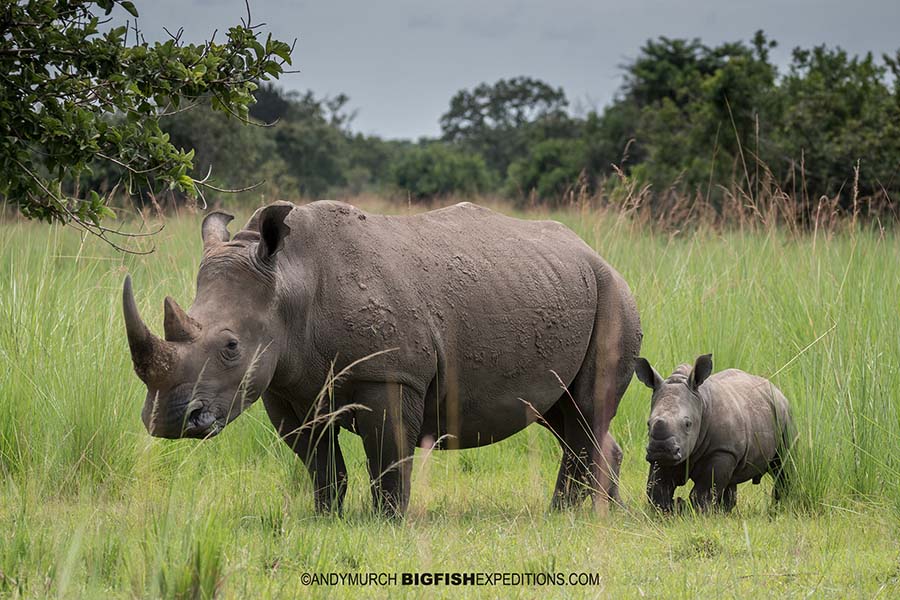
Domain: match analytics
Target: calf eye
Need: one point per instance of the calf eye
(687, 423)
(231, 345)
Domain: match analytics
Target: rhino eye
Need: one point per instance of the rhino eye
(230, 351)
(687, 423)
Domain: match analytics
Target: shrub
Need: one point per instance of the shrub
(439, 170)
(550, 169)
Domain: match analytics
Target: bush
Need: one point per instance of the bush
(550, 169)
(438, 170)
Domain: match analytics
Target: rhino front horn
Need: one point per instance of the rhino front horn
(147, 350)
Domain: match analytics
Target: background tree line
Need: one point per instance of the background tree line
(689, 120)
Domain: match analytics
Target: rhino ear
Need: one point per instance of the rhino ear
(702, 369)
(272, 230)
(647, 374)
(214, 229)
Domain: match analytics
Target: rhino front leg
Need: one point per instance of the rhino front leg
(325, 463)
(319, 450)
(389, 431)
(712, 481)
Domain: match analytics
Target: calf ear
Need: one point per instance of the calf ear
(272, 230)
(647, 374)
(702, 370)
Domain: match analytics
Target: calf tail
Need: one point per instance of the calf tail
(781, 465)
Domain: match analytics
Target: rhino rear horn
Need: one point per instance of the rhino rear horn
(214, 229)
(177, 324)
(147, 351)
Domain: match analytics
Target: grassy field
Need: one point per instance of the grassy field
(91, 506)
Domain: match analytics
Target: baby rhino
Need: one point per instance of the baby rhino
(718, 431)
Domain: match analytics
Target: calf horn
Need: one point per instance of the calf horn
(150, 355)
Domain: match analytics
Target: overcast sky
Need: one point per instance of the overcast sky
(400, 61)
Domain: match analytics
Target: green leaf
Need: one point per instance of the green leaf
(129, 6)
(81, 94)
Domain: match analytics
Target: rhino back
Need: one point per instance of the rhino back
(746, 415)
(482, 304)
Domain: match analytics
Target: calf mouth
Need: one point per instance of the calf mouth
(667, 453)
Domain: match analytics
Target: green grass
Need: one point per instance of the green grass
(91, 506)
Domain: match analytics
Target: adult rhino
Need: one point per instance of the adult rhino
(459, 324)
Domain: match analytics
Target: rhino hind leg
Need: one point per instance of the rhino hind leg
(604, 376)
(612, 450)
(587, 467)
(573, 483)
(554, 421)
(389, 432)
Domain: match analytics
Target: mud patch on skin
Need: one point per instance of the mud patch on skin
(374, 319)
(465, 266)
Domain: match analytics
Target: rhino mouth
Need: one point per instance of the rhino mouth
(181, 415)
(201, 423)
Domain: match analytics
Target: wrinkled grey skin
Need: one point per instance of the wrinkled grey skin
(459, 327)
(718, 431)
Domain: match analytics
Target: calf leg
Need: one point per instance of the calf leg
(661, 484)
(779, 464)
(389, 432)
(712, 478)
(779, 490)
(729, 498)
